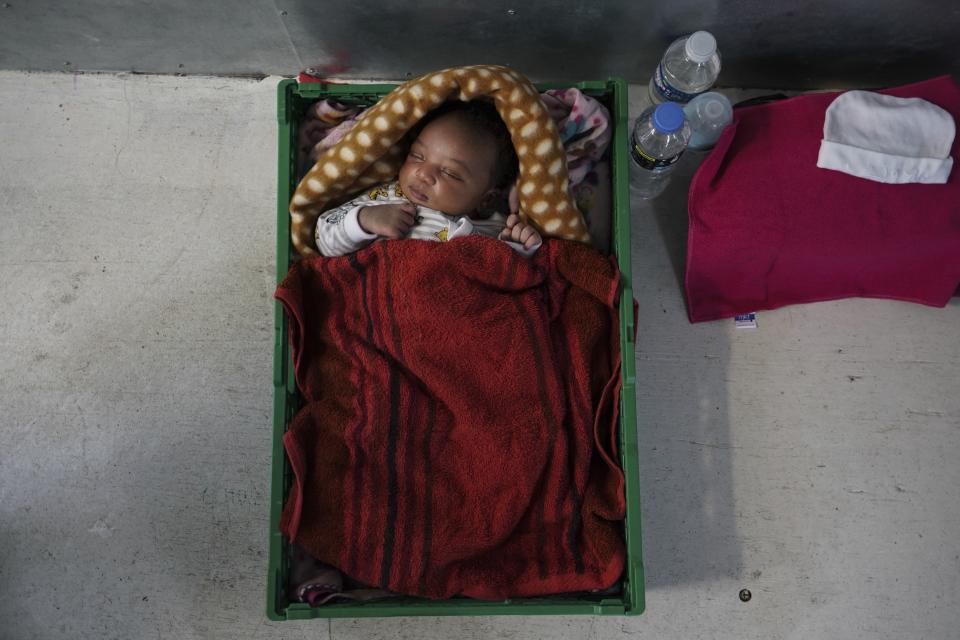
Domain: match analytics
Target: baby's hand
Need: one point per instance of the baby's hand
(388, 220)
(520, 232)
(513, 198)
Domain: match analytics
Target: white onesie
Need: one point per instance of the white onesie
(339, 232)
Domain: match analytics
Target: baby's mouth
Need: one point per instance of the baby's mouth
(417, 194)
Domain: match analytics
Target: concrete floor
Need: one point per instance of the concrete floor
(813, 460)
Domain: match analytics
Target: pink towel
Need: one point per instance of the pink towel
(768, 228)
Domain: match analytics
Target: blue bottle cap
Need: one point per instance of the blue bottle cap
(668, 117)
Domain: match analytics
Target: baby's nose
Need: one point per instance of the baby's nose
(427, 173)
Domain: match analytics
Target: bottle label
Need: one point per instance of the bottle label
(667, 91)
(649, 162)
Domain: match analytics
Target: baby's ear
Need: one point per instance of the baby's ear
(494, 195)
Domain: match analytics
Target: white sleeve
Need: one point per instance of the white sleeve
(339, 232)
(519, 248)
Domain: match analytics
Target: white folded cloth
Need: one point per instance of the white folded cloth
(887, 139)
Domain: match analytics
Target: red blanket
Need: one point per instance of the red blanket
(769, 228)
(458, 433)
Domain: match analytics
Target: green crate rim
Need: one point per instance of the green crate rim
(631, 600)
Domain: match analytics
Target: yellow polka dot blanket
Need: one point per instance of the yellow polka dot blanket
(370, 153)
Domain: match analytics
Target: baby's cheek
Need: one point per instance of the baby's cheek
(403, 175)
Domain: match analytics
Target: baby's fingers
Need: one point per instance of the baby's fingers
(397, 231)
(406, 218)
(532, 239)
(527, 234)
(404, 223)
(513, 198)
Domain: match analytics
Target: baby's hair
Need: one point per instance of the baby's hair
(483, 118)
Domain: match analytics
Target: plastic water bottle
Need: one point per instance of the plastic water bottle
(708, 114)
(689, 67)
(659, 137)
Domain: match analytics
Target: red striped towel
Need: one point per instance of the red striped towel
(459, 427)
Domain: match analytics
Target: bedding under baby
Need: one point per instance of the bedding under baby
(371, 153)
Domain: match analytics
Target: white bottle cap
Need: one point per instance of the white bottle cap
(709, 113)
(700, 46)
(709, 108)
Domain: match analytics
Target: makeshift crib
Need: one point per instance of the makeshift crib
(627, 596)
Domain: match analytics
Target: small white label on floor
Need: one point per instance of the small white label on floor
(746, 320)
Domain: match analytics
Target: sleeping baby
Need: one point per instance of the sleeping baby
(460, 164)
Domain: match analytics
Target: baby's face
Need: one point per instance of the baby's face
(449, 168)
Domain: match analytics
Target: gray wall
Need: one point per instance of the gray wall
(801, 44)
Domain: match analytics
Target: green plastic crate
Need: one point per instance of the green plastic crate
(293, 99)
